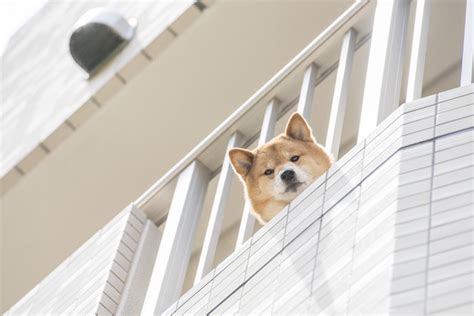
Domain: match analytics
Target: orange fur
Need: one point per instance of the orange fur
(268, 193)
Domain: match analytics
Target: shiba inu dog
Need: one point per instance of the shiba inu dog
(275, 173)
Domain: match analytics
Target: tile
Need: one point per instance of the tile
(406, 241)
(315, 190)
(418, 125)
(453, 241)
(453, 176)
(335, 230)
(228, 304)
(453, 299)
(333, 199)
(415, 308)
(415, 164)
(453, 189)
(367, 262)
(282, 297)
(410, 254)
(302, 222)
(418, 115)
(417, 137)
(419, 104)
(452, 202)
(235, 259)
(416, 151)
(385, 128)
(382, 235)
(9, 180)
(453, 255)
(185, 19)
(264, 256)
(32, 159)
(407, 283)
(385, 217)
(407, 268)
(415, 226)
(83, 114)
(196, 300)
(454, 152)
(450, 285)
(370, 166)
(262, 278)
(456, 103)
(109, 90)
(159, 44)
(410, 189)
(455, 214)
(463, 309)
(454, 126)
(451, 270)
(266, 235)
(56, 138)
(411, 214)
(229, 277)
(454, 164)
(454, 93)
(134, 66)
(454, 140)
(452, 228)
(455, 114)
(414, 200)
(348, 159)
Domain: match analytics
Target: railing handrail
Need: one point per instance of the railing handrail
(230, 121)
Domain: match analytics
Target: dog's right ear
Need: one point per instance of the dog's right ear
(241, 160)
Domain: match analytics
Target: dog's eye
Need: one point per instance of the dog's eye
(268, 172)
(294, 158)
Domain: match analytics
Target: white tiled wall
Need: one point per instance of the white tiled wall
(92, 279)
(388, 229)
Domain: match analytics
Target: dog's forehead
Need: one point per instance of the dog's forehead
(275, 150)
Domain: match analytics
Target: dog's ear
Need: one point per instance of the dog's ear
(241, 160)
(298, 129)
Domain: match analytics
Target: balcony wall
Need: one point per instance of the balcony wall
(93, 278)
(388, 229)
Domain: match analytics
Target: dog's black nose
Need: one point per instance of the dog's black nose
(288, 175)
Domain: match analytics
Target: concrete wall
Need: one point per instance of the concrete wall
(388, 229)
(93, 278)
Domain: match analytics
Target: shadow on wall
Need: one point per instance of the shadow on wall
(300, 262)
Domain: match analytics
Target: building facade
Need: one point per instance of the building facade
(387, 87)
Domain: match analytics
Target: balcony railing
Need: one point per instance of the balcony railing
(177, 198)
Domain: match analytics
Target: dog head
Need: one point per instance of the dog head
(276, 172)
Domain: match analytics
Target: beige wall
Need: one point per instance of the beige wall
(179, 98)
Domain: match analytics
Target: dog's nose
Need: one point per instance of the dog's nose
(288, 175)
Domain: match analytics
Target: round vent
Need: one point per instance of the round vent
(97, 36)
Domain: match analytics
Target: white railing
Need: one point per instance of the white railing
(257, 117)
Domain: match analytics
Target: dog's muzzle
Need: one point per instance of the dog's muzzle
(289, 179)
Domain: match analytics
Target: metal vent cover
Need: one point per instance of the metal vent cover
(98, 35)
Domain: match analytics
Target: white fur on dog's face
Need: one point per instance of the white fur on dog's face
(287, 192)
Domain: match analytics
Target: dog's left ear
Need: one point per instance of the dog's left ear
(297, 128)
(241, 160)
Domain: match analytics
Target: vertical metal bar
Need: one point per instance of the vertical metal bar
(341, 89)
(467, 68)
(305, 102)
(217, 212)
(384, 70)
(173, 255)
(418, 50)
(247, 224)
